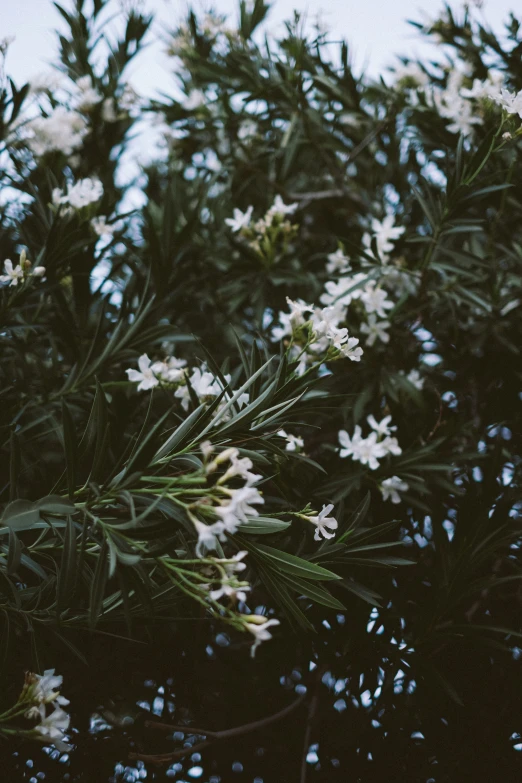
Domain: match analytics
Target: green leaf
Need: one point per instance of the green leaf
(99, 583)
(15, 553)
(54, 504)
(263, 526)
(291, 564)
(70, 448)
(20, 515)
(311, 590)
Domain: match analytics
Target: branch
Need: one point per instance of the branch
(214, 735)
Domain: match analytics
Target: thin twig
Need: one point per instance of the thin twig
(312, 709)
(214, 735)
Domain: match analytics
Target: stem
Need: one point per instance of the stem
(214, 735)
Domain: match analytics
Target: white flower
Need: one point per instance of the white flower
(62, 130)
(204, 385)
(240, 467)
(145, 377)
(510, 101)
(324, 523)
(376, 300)
(247, 129)
(344, 291)
(463, 119)
(415, 378)
(381, 427)
(350, 351)
(376, 330)
(293, 442)
(234, 565)
(89, 95)
(386, 232)
(194, 100)
(348, 445)
(100, 227)
(368, 451)
(13, 275)
(207, 536)
(292, 320)
(54, 726)
(337, 262)
(239, 507)
(84, 192)
(231, 590)
(47, 688)
(391, 487)
(170, 370)
(259, 628)
(280, 208)
(38, 271)
(391, 446)
(240, 220)
(411, 72)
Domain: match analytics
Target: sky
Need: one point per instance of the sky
(376, 30)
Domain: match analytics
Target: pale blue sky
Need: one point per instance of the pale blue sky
(376, 30)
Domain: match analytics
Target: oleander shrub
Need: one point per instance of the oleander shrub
(275, 375)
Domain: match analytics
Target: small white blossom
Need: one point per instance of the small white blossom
(259, 628)
(293, 442)
(510, 101)
(386, 233)
(103, 229)
(47, 688)
(240, 220)
(351, 350)
(240, 467)
(89, 96)
(239, 507)
(324, 524)
(170, 370)
(368, 451)
(348, 445)
(344, 291)
(84, 192)
(382, 427)
(13, 275)
(208, 536)
(53, 727)
(231, 589)
(337, 262)
(411, 72)
(376, 300)
(391, 446)
(391, 487)
(145, 377)
(376, 330)
(194, 100)
(281, 209)
(415, 378)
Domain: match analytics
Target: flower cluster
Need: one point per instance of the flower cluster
(233, 507)
(40, 701)
(171, 373)
(81, 194)
(378, 444)
(62, 130)
(268, 235)
(314, 335)
(21, 272)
